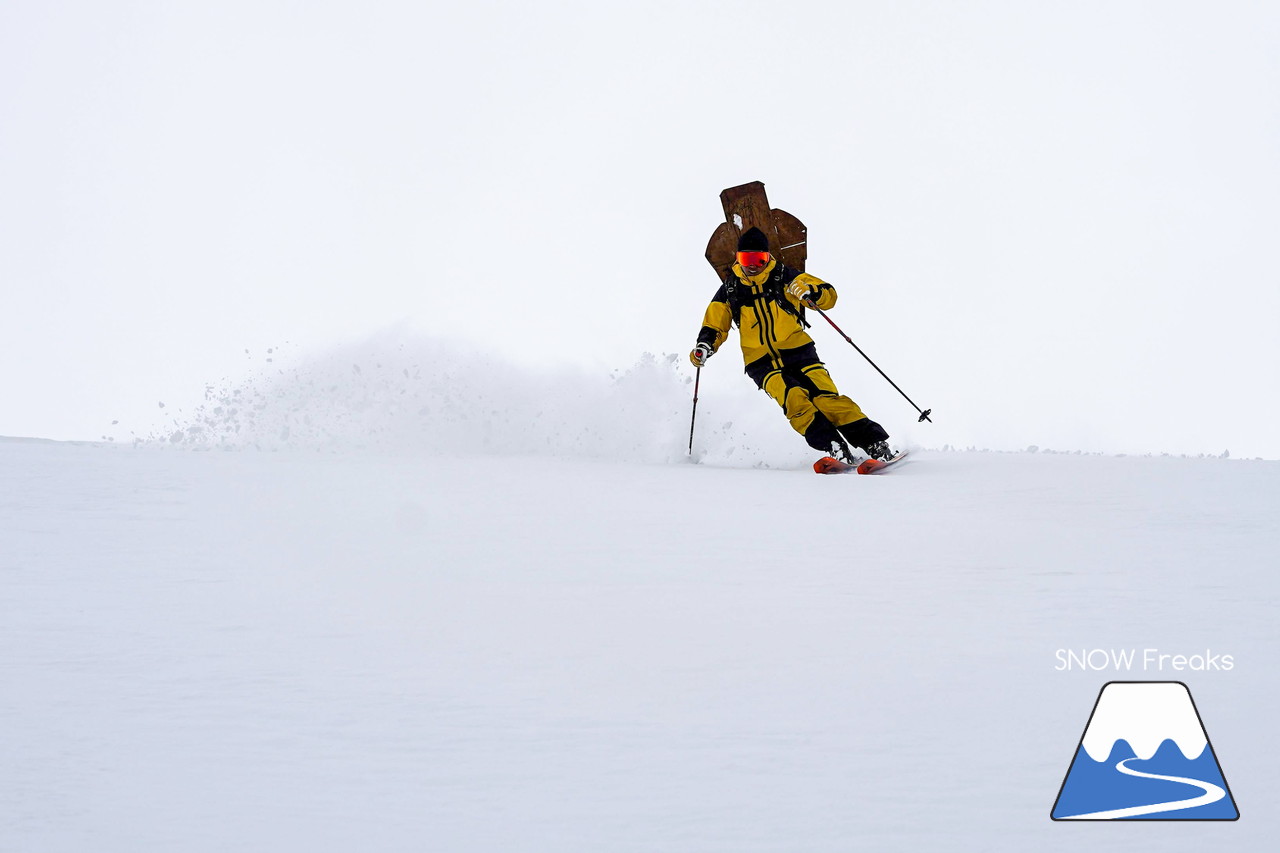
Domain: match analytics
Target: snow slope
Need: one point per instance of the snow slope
(393, 651)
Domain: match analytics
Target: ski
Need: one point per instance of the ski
(831, 465)
(877, 466)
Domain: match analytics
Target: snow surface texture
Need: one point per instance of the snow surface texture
(398, 652)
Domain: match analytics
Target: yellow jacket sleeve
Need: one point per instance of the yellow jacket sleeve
(825, 297)
(716, 321)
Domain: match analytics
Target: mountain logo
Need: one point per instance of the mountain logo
(1145, 755)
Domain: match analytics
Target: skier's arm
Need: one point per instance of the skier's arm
(810, 287)
(716, 321)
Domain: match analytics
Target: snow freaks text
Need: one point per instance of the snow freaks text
(1143, 660)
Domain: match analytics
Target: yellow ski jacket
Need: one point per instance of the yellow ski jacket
(771, 322)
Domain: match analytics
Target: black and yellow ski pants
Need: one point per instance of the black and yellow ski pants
(808, 396)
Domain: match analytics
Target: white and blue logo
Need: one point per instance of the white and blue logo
(1145, 755)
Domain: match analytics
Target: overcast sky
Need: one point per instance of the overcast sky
(1054, 223)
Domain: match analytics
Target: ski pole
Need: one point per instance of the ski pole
(697, 378)
(924, 414)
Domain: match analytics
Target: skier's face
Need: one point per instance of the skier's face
(753, 262)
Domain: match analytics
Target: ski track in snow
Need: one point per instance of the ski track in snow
(1212, 793)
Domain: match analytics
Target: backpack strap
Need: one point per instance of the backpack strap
(776, 287)
(737, 294)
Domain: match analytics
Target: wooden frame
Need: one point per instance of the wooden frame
(747, 206)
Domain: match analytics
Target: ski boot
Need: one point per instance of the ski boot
(841, 452)
(841, 459)
(879, 450)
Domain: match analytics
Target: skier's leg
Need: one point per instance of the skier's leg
(804, 417)
(847, 417)
(866, 433)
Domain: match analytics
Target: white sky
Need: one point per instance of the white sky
(1063, 215)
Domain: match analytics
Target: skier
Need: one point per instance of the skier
(766, 299)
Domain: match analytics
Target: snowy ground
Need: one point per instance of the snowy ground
(211, 651)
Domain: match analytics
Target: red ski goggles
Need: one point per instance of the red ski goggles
(752, 259)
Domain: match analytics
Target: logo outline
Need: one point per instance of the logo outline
(1080, 748)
